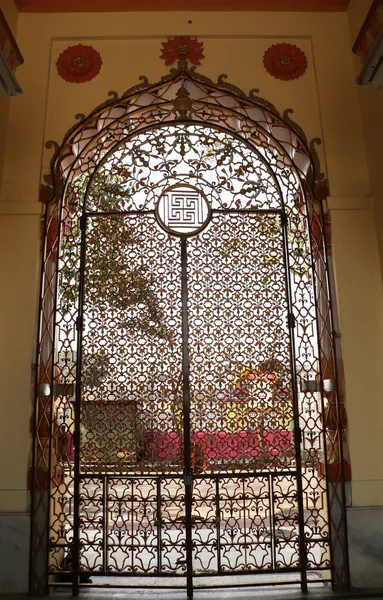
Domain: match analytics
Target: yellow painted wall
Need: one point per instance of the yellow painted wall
(371, 107)
(10, 13)
(18, 268)
(326, 105)
(360, 302)
(368, 485)
(17, 273)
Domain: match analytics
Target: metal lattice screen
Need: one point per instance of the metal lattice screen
(185, 411)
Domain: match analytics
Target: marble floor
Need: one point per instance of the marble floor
(271, 593)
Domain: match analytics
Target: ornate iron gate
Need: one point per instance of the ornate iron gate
(179, 424)
(187, 411)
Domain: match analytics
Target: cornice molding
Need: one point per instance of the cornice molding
(65, 6)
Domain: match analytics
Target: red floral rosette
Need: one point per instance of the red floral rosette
(78, 64)
(182, 48)
(285, 61)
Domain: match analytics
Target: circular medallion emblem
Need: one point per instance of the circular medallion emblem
(78, 64)
(183, 210)
(285, 61)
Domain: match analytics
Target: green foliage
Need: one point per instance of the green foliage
(111, 190)
(114, 279)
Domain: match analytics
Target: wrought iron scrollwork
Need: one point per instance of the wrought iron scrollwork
(169, 435)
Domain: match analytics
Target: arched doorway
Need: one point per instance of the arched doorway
(186, 360)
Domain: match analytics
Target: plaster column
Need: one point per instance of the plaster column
(360, 304)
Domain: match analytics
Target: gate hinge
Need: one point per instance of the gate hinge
(284, 219)
(188, 478)
(298, 436)
(291, 320)
(80, 323)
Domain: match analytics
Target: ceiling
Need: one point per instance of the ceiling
(51, 6)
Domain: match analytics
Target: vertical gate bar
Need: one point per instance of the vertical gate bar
(105, 518)
(333, 310)
(272, 522)
(297, 430)
(132, 496)
(36, 404)
(77, 419)
(51, 412)
(244, 524)
(323, 433)
(342, 482)
(333, 316)
(159, 518)
(218, 521)
(50, 448)
(188, 475)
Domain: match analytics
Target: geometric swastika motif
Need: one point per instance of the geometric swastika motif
(183, 210)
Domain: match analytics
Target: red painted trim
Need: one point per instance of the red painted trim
(366, 25)
(65, 6)
(334, 471)
(11, 38)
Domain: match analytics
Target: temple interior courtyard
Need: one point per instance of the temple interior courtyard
(191, 259)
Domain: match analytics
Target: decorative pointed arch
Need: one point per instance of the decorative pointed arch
(247, 131)
(185, 94)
